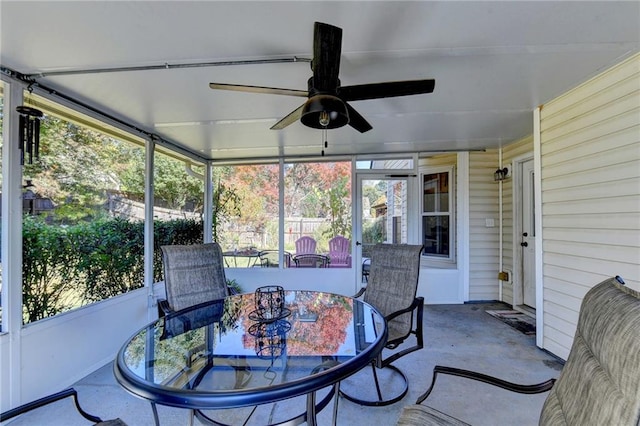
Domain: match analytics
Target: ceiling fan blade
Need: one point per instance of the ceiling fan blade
(289, 119)
(327, 47)
(259, 89)
(386, 90)
(357, 121)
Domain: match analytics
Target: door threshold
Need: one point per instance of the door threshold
(525, 309)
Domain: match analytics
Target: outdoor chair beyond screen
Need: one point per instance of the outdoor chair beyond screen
(311, 261)
(270, 258)
(193, 274)
(392, 288)
(71, 392)
(305, 245)
(339, 255)
(600, 382)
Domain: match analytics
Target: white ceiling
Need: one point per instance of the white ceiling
(493, 63)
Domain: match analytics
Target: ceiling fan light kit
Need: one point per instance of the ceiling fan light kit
(326, 98)
(324, 112)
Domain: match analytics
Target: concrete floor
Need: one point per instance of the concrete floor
(462, 336)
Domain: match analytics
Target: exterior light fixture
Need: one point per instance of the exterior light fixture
(501, 174)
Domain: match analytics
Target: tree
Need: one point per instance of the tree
(173, 186)
(76, 167)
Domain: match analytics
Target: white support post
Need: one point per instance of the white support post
(150, 147)
(208, 203)
(462, 201)
(537, 170)
(12, 240)
(281, 212)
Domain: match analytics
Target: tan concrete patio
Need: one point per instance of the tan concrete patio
(463, 336)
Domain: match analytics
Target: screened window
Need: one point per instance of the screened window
(82, 231)
(247, 214)
(317, 202)
(178, 203)
(437, 214)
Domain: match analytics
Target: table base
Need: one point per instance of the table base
(309, 416)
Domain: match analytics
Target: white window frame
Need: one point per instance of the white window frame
(433, 260)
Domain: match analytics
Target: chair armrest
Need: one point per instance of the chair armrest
(359, 293)
(514, 387)
(48, 400)
(163, 308)
(415, 304)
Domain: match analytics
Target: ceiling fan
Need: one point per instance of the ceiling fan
(326, 106)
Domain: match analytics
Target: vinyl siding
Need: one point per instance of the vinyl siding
(484, 242)
(519, 149)
(590, 159)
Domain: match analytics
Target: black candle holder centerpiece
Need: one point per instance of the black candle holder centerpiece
(269, 303)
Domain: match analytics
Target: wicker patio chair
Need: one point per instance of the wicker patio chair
(193, 274)
(392, 288)
(71, 392)
(600, 382)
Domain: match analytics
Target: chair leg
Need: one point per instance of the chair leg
(336, 389)
(375, 379)
(156, 419)
(381, 400)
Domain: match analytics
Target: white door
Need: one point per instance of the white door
(381, 216)
(527, 240)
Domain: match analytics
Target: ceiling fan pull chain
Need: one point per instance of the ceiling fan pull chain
(324, 138)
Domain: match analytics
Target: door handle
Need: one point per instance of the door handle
(524, 244)
(358, 243)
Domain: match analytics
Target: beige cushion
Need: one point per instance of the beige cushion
(600, 382)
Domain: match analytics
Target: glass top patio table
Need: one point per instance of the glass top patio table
(249, 256)
(224, 354)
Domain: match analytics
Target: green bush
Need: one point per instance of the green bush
(67, 267)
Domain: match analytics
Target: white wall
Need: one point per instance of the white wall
(332, 280)
(5, 381)
(58, 351)
(590, 159)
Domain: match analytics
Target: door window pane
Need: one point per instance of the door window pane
(436, 235)
(435, 192)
